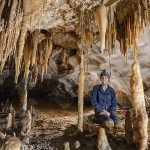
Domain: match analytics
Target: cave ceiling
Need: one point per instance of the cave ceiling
(29, 29)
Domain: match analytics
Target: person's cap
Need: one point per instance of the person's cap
(105, 73)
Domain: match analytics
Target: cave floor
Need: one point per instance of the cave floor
(55, 123)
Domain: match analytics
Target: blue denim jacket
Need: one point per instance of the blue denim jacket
(104, 100)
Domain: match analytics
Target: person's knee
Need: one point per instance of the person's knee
(108, 123)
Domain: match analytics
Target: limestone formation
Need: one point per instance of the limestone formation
(66, 146)
(140, 120)
(102, 140)
(10, 143)
(65, 19)
(9, 121)
(80, 94)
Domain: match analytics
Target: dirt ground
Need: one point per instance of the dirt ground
(55, 123)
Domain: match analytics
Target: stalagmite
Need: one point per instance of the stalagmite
(25, 123)
(10, 143)
(31, 110)
(11, 108)
(102, 140)
(2, 136)
(23, 100)
(81, 94)
(140, 123)
(13, 119)
(76, 145)
(30, 121)
(9, 121)
(66, 146)
(129, 127)
(101, 21)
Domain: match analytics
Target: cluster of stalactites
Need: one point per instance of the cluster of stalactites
(36, 54)
(9, 29)
(103, 21)
(133, 25)
(15, 20)
(125, 26)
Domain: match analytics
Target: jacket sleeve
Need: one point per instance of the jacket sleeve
(94, 101)
(113, 105)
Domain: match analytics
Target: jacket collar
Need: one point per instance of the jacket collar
(101, 88)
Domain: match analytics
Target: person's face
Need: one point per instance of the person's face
(104, 79)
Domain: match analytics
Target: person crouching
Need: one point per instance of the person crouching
(105, 103)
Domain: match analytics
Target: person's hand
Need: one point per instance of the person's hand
(104, 112)
(107, 113)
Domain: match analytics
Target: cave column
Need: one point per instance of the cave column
(140, 119)
(23, 98)
(81, 93)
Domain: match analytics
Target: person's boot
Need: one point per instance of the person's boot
(108, 124)
(118, 125)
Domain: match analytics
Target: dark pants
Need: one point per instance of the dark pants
(102, 118)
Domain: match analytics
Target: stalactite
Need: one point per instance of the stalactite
(48, 52)
(9, 35)
(44, 53)
(27, 57)
(81, 93)
(2, 5)
(101, 21)
(42, 72)
(27, 15)
(37, 37)
(21, 43)
(132, 24)
(9, 3)
(72, 3)
(129, 33)
(13, 12)
(41, 58)
(34, 73)
(82, 26)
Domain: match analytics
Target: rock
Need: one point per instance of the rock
(74, 61)
(10, 143)
(77, 144)
(2, 136)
